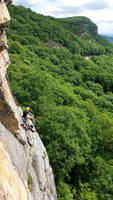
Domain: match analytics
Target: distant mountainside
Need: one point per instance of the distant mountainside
(63, 70)
(79, 34)
(81, 26)
(108, 37)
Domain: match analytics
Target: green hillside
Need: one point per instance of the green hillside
(108, 37)
(71, 96)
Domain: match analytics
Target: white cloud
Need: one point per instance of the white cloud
(74, 2)
(33, 2)
(96, 10)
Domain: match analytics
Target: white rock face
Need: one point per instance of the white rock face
(30, 161)
(4, 14)
(11, 185)
(25, 173)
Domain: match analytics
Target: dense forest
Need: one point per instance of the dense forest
(63, 70)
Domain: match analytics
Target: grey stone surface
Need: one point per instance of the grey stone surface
(15, 150)
(25, 150)
(31, 160)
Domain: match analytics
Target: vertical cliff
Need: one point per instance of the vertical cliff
(25, 173)
(8, 110)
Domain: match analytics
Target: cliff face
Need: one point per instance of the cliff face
(8, 110)
(25, 173)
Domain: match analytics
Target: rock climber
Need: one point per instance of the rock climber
(28, 120)
(26, 112)
(30, 124)
(24, 124)
(24, 118)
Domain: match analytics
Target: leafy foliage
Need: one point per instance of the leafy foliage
(71, 97)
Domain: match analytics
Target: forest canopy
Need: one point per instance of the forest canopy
(63, 70)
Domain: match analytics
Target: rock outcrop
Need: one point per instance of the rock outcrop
(25, 173)
(8, 109)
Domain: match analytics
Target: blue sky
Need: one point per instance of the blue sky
(99, 11)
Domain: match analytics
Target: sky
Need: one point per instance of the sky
(99, 11)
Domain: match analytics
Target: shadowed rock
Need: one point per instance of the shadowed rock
(8, 110)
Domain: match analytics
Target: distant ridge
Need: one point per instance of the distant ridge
(108, 37)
